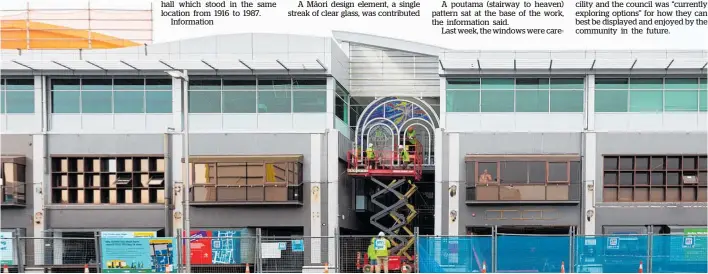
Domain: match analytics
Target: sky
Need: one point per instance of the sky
(417, 29)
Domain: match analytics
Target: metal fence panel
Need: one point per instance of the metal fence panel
(56, 251)
(610, 254)
(532, 253)
(290, 254)
(679, 253)
(222, 254)
(353, 252)
(454, 254)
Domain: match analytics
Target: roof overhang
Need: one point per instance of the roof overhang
(541, 65)
(204, 66)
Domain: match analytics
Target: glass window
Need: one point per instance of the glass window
(309, 101)
(239, 96)
(498, 83)
(129, 95)
(309, 95)
(646, 100)
(497, 101)
(558, 172)
(567, 84)
(513, 172)
(66, 84)
(66, 101)
(274, 96)
(463, 84)
(18, 96)
(463, 100)
(532, 95)
(616, 83)
(611, 100)
(205, 96)
(537, 172)
(96, 96)
(341, 103)
(129, 101)
(681, 100)
(646, 83)
(567, 100)
(158, 95)
(129, 84)
(703, 93)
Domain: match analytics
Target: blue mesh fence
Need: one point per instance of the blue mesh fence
(679, 253)
(528, 253)
(454, 254)
(610, 254)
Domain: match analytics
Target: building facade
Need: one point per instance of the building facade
(517, 142)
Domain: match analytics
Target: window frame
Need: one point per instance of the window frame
(670, 183)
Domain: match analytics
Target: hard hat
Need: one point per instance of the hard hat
(400, 146)
(371, 145)
(381, 234)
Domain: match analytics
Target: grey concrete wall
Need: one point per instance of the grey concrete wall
(488, 215)
(515, 143)
(19, 145)
(123, 144)
(106, 217)
(250, 216)
(648, 213)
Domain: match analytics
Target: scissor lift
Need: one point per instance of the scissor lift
(387, 166)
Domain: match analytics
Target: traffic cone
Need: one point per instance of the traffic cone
(484, 267)
(641, 267)
(326, 269)
(405, 268)
(168, 268)
(248, 268)
(5, 269)
(86, 270)
(562, 267)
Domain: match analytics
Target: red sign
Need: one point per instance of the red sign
(200, 244)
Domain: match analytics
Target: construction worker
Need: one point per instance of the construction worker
(370, 155)
(403, 156)
(411, 135)
(371, 252)
(381, 246)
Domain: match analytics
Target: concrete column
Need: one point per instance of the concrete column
(315, 228)
(439, 164)
(333, 212)
(590, 183)
(331, 86)
(40, 186)
(443, 101)
(454, 183)
(176, 149)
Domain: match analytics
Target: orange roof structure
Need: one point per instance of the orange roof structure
(22, 34)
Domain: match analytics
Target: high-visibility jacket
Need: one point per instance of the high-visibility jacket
(411, 136)
(371, 252)
(370, 153)
(405, 156)
(381, 246)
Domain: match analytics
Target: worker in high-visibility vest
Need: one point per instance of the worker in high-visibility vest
(381, 246)
(403, 156)
(411, 135)
(371, 155)
(371, 253)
